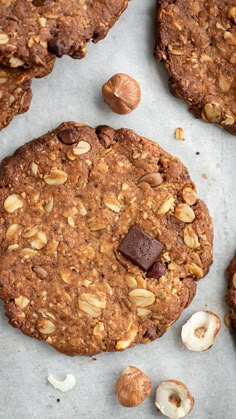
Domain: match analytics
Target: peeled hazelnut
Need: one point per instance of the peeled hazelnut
(132, 387)
(173, 399)
(199, 332)
(122, 93)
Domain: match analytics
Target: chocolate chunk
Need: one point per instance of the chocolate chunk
(68, 136)
(56, 47)
(157, 270)
(140, 248)
(39, 3)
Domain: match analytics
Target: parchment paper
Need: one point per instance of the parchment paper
(73, 92)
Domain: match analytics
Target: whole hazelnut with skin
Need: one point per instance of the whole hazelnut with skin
(122, 93)
(132, 387)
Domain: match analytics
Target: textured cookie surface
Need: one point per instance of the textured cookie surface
(31, 30)
(197, 41)
(69, 201)
(15, 91)
(231, 294)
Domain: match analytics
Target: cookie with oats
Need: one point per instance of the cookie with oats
(15, 90)
(32, 30)
(231, 293)
(197, 40)
(103, 238)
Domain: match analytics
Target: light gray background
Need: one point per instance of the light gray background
(73, 92)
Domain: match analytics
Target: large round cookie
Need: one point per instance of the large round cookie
(197, 40)
(15, 90)
(33, 29)
(231, 293)
(102, 239)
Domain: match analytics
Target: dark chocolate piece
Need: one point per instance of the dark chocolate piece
(142, 249)
(157, 270)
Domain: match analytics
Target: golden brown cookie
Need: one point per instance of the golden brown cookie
(32, 30)
(197, 42)
(103, 238)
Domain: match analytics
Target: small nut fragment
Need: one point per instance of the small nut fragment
(122, 93)
(12, 231)
(12, 203)
(81, 148)
(143, 312)
(224, 84)
(199, 332)
(154, 179)
(21, 301)
(125, 343)
(173, 399)
(92, 304)
(112, 202)
(56, 177)
(46, 327)
(132, 387)
(67, 384)
(4, 38)
(166, 205)
(141, 297)
(15, 62)
(232, 14)
(184, 213)
(190, 237)
(39, 241)
(212, 112)
(189, 195)
(195, 270)
(179, 134)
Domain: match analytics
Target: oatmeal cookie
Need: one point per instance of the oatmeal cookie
(32, 30)
(197, 42)
(231, 293)
(103, 239)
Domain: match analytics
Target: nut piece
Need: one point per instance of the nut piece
(122, 93)
(173, 399)
(199, 332)
(184, 213)
(141, 297)
(179, 134)
(67, 384)
(132, 387)
(12, 203)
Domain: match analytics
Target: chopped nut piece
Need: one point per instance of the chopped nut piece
(21, 301)
(132, 387)
(12, 203)
(166, 205)
(56, 177)
(189, 195)
(184, 213)
(179, 134)
(191, 238)
(199, 332)
(82, 148)
(46, 327)
(92, 304)
(141, 297)
(67, 384)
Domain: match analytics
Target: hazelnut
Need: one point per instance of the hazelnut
(122, 93)
(132, 387)
(173, 399)
(67, 384)
(199, 332)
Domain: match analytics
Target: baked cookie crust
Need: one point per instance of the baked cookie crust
(197, 42)
(32, 30)
(67, 201)
(231, 293)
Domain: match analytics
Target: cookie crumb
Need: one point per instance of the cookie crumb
(204, 176)
(58, 400)
(197, 153)
(179, 134)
